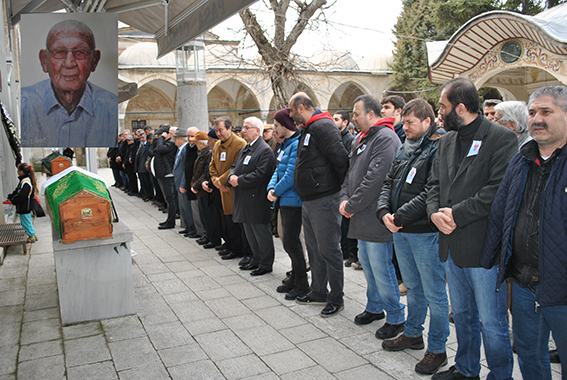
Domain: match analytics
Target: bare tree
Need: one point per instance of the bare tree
(280, 63)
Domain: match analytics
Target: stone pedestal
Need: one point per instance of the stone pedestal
(94, 277)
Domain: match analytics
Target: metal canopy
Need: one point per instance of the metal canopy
(172, 22)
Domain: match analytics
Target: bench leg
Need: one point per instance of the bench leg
(25, 248)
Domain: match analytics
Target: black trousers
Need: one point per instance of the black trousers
(147, 187)
(167, 186)
(291, 226)
(207, 213)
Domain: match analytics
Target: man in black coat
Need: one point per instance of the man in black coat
(320, 169)
(249, 176)
(470, 164)
(164, 159)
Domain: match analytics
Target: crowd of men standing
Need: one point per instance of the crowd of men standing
(465, 200)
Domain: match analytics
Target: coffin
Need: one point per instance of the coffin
(55, 163)
(79, 205)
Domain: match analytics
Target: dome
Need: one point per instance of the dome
(334, 60)
(144, 54)
(376, 62)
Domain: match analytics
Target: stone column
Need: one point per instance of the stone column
(192, 107)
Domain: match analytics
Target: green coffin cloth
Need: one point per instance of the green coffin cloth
(46, 162)
(67, 186)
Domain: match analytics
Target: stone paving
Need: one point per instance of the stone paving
(198, 317)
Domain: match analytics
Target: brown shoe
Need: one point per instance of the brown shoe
(402, 342)
(431, 363)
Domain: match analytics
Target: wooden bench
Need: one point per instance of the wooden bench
(12, 234)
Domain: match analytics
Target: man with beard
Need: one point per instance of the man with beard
(320, 170)
(469, 166)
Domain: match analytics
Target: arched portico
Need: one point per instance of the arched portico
(511, 52)
(154, 105)
(233, 99)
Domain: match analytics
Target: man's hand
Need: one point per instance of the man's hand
(224, 189)
(194, 191)
(182, 190)
(342, 210)
(233, 180)
(271, 196)
(217, 183)
(206, 187)
(118, 159)
(443, 219)
(388, 220)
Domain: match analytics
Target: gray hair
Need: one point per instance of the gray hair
(256, 123)
(514, 111)
(558, 92)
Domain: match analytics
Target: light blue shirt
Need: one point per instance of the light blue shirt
(45, 123)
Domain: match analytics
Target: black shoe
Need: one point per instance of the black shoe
(231, 255)
(366, 317)
(351, 260)
(162, 223)
(192, 236)
(451, 374)
(260, 272)
(203, 240)
(166, 226)
(209, 245)
(554, 356)
(331, 309)
(220, 247)
(307, 300)
(183, 232)
(431, 363)
(249, 266)
(285, 288)
(296, 292)
(224, 252)
(289, 279)
(402, 342)
(389, 331)
(245, 261)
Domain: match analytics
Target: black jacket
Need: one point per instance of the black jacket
(191, 153)
(470, 189)
(164, 152)
(403, 194)
(347, 138)
(254, 167)
(22, 196)
(322, 160)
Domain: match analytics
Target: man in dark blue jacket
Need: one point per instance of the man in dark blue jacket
(527, 232)
(401, 207)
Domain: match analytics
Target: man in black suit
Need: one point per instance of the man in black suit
(249, 176)
(471, 161)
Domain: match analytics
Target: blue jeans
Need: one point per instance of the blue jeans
(477, 308)
(27, 225)
(423, 274)
(382, 291)
(531, 333)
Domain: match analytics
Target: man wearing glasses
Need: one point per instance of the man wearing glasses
(66, 109)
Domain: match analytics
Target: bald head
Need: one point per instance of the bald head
(67, 26)
(301, 108)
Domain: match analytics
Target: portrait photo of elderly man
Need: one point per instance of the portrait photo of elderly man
(67, 109)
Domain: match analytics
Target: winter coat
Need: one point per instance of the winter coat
(201, 163)
(404, 191)
(470, 190)
(224, 155)
(370, 160)
(552, 226)
(254, 167)
(282, 179)
(164, 157)
(322, 160)
(22, 196)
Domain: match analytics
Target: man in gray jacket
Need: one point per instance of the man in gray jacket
(371, 158)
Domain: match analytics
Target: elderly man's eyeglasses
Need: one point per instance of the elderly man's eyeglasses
(79, 54)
